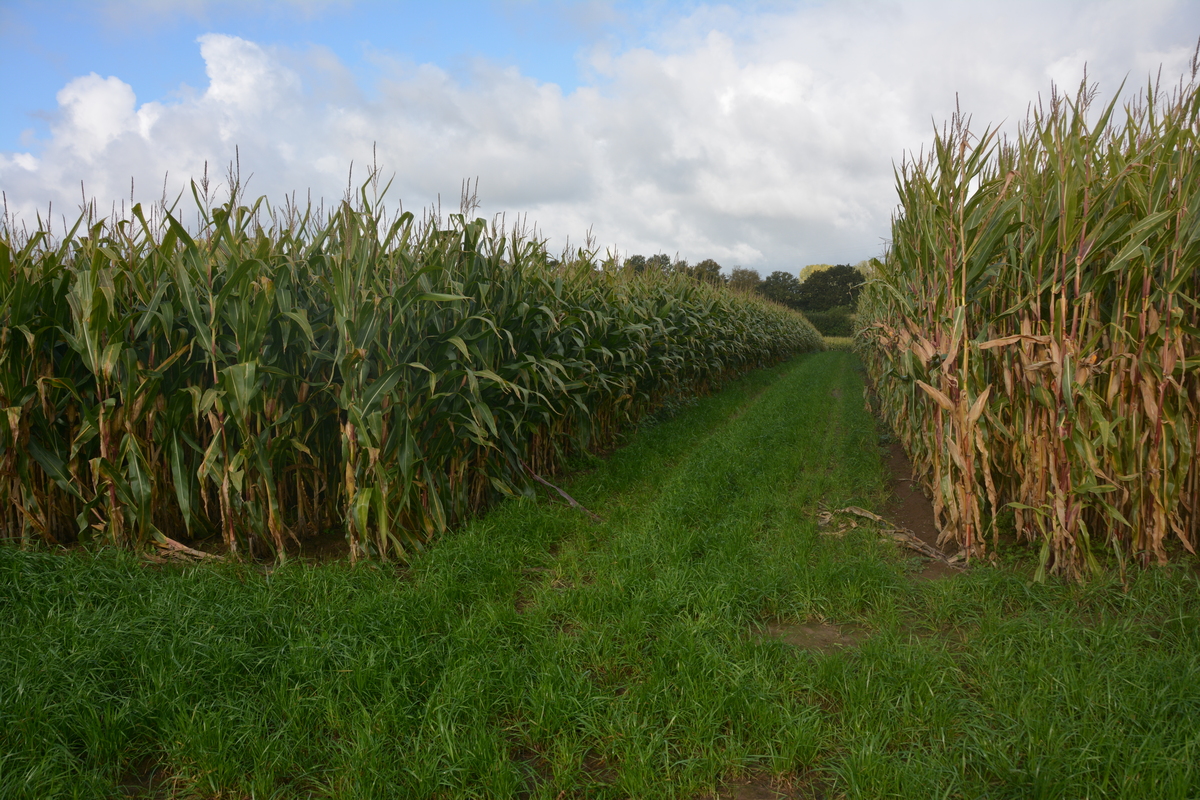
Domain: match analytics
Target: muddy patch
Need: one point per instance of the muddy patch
(522, 602)
(750, 791)
(936, 570)
(911, 509)
(321, 548)
(765, 787)
(815, 636)
(145, 778)
(538, 771)
(598, 771)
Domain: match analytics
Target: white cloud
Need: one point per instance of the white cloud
(243, 79)
(95, 111)
(765, 139)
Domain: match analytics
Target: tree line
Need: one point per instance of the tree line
(825, 293)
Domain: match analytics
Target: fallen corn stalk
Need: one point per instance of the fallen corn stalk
(899, 535)
(570, 500)
(171, 549)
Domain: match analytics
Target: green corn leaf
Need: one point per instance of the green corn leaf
(241, 381)
(54, 466)
(182, 483)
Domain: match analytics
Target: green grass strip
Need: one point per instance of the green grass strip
(535, 653)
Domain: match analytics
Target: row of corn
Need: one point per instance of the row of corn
(267, 376)
(1034, 329)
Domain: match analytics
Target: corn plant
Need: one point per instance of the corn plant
(1033, 328)
(267, 374)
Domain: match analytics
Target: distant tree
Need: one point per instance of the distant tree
(744, 280)
(707, 271)
(782, 287)
(660, 262)
(867, 268)
(829, 288)
(811, 269)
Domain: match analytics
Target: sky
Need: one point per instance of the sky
(760, 134)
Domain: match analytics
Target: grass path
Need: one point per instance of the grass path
(535, 653)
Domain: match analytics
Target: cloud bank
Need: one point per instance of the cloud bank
(761, 139)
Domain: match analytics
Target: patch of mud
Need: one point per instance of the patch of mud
(911, 509)
(144, 779)
(765, 787)
(750, 791)
(936, 570)
(598, 771)
(523, 603)
(815, 636)
(538, 771)
(324, 547)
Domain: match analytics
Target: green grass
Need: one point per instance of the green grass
(534, 653)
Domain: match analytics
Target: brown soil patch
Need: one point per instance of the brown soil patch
(598, 771)
(764, 787)
(752, 791)
(538, 771)
(323, 547)
(522, 603)
(911, 509)
(934, 570)
(144, 779)
(816, 636)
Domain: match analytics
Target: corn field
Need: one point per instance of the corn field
(275, 373)
(1033, 331)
